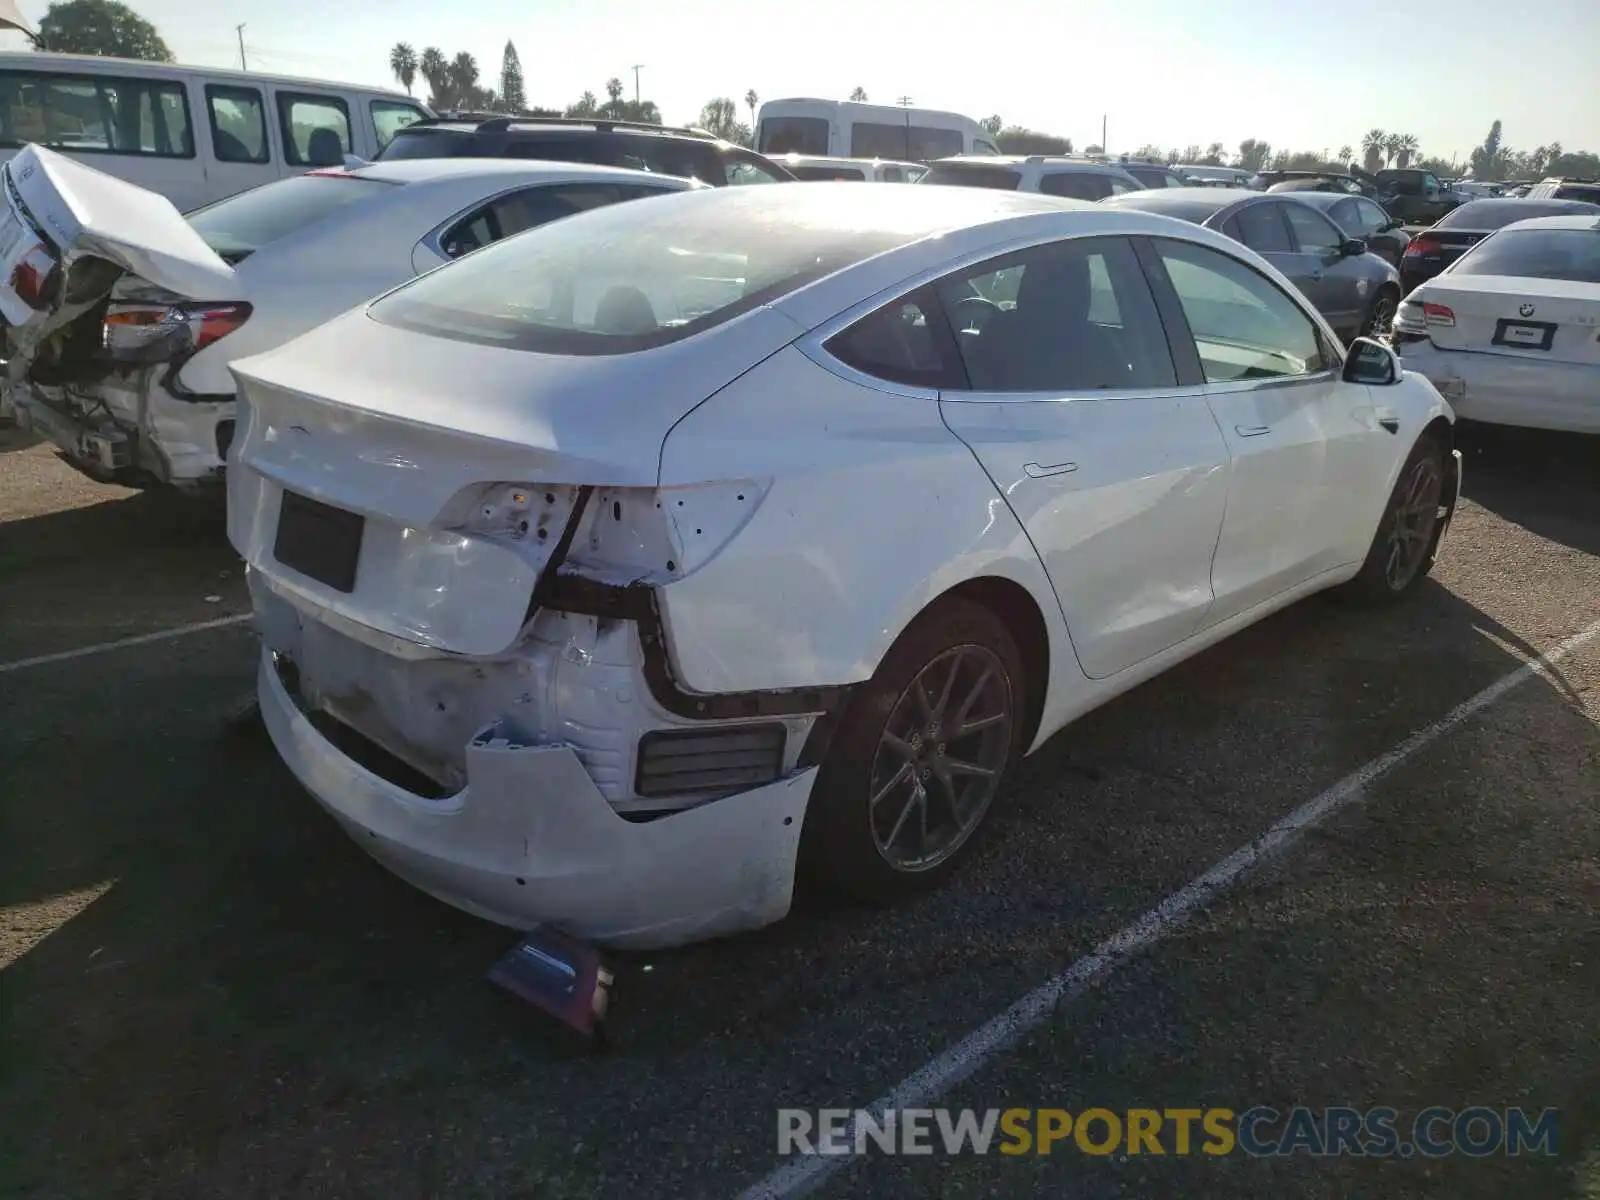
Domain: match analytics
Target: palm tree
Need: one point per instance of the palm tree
(859, 95)
(1405, 148)
(403, 62)
(464, 74)
(1347, 155)
(1215, 153)
(750, 102)
(436, 70)
(1372, 143)
(614, 91)
(1391, 147)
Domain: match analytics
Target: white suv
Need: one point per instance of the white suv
(1074, 178)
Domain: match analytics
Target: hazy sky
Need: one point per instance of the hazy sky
(1302, 74)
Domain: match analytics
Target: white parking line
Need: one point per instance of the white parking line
(142, 639)
(802, 1173)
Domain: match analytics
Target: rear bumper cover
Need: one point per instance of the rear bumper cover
(531, 840)
(1502, 389)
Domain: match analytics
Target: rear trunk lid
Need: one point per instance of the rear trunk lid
(1552, 320)
(410, 447)
(69, 232)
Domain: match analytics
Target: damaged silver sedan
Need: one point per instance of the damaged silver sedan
(125, 317)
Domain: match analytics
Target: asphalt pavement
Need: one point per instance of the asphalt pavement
(209, 991)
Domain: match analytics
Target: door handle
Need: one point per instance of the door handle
(1035, 471)
(1252, 430)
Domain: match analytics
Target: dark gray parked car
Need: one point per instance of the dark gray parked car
(1460, 229)
(1362, 218)
(1356, 291)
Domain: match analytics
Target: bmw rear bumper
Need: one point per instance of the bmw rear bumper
(1501, 389)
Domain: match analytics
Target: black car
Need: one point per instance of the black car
(1152, 175)
(1412, 194)
(1356, 291)
(1312, 181)
(1362, 218)
(689, 153)
(1435, 248)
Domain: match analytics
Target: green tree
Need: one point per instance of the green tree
(1372, 145)
(859, 95)
(993, 124)
(464, 76)
(751, 100)
(1191, 153)
(403, 64)
(1216, 153)
(588, 105)
(104, 27)
(1093, 150)
(1405, 149)
(513, 91)
(1347, 154)
(1489, 159)
(1254, 154)
(721, 117)
(613, 106)
(1014, 139)
(435, 71)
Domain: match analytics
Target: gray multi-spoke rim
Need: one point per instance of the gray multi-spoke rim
(1411, 520)
(940, 758)
(1382, 315)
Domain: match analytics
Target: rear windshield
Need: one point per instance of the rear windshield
(238, 226)
(1571, 254)
(827, 173)
(1492, 214)
(977, 175)
(434, 143)
(631, 276)
(1184, 208)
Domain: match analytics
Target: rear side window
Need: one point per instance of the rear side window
(506, 216)
(1077, 185)
(973, 175)
(1572, 191)
(899, 343)
(793, 135)
(316, 129)
(582, 148)
(1261, 227)
(95, 114)
(1313, 231)
(238, 124)
(242, 224)
(389, 117)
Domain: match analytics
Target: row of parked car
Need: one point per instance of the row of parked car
(612, 571)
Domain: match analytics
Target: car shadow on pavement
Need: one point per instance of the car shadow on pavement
(250, 1006)
(13, 438)
(1548, 483)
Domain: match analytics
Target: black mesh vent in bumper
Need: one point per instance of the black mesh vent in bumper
(684, 762)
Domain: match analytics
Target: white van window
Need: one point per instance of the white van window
(389, 117)
(238, 124)
(316, 129)
(793, 135)
(918, 143)
(95, 114)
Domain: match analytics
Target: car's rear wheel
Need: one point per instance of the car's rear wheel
(1402, 550)
(919, 757)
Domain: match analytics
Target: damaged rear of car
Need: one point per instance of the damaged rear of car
(70, 239)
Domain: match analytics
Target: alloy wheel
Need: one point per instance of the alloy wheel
(1412, 518)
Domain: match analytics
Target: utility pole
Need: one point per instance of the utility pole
(1104, 149)
(905, 101)
(637, 67)
(243, 66)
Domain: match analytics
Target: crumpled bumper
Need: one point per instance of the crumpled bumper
(1502, 389)
(531, 841)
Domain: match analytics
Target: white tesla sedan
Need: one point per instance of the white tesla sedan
(609, 575)
(134, 387)
(1510, 332)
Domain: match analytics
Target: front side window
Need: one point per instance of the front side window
(897, 343)
(1569, 254)
(1243, 327)
(1314, 233)
(95, 114)
(745, 169)
(622, 278)
(389, 117)
(979, 146)
(1074, 316)
(238, 124)
(316, 129)
(1077, 185)
(793, 135)
(1370, 218)
(1346, 216)
(1261, 227)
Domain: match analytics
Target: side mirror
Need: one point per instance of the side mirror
(1371, 363)
(1352, 247)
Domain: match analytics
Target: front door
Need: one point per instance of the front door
(1296, 435)
(1343, 283)
(1117, 474)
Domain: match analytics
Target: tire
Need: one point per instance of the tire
(1380, 313)
(875, 853)
(1415, 502)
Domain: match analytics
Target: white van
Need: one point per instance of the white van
(845, 129)
(192, 134)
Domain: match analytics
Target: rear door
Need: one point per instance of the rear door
(1341, 282)
(1073, 406)
(1263, 227)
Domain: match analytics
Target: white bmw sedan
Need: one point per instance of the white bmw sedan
(1510, 332)
(610, 576)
